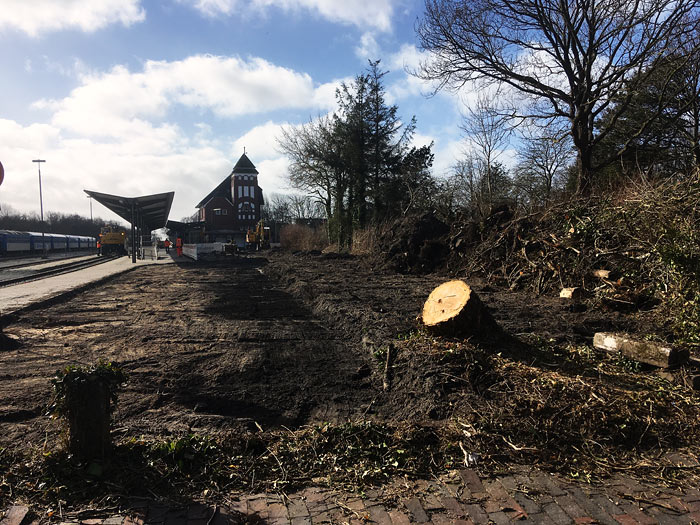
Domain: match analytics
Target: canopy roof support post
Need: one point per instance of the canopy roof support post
(133, 232)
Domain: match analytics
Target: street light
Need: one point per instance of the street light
(90, 197)
(41, 207)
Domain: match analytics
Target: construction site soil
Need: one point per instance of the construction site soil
(280, 341)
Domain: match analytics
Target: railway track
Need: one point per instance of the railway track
(33, 275)
(37, 261)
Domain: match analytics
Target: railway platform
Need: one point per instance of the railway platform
(20, 296)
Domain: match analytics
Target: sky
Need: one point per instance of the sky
(136, 97)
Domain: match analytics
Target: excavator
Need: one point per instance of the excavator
(259, 237)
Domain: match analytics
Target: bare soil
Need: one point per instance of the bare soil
(280, 341)
(277, 342)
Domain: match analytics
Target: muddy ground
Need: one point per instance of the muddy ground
(279, 340)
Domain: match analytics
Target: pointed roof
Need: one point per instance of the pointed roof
(222, 190)
(244, 167)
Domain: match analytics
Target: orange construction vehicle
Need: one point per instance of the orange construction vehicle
(111, 241)
(258, 238)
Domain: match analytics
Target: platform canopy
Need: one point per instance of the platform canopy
(149, 212)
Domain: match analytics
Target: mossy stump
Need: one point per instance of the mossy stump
(87, 412)
(453, 308)
(85, 398)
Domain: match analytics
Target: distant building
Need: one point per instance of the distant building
(233, 206)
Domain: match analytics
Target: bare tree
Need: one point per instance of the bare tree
(304, 207)
(312, 150)
(487, 131)
(570, 56)
(543, 163)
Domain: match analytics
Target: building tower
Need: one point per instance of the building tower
(234, 206)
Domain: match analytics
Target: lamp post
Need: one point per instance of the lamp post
(41, 207)
(90, 197)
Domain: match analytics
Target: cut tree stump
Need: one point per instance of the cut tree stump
(574, 295)
(454, 308)
(643, 351)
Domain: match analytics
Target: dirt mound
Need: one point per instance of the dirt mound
(415, 244)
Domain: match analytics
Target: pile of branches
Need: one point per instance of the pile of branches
(414, 244)
(632, 249)
(194, 467)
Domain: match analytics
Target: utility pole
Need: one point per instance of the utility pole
(41, 208)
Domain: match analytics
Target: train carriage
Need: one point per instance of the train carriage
(19, 243)
(37, 242)
(58, 241)
(14, 242)
(73, 242)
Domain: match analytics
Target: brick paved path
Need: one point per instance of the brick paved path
(460, 497)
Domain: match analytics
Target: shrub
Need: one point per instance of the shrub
(295, 237)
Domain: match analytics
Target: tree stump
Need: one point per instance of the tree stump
(88, 414)
(575, 294)
(454, 308)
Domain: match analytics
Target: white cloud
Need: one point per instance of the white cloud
(407, 59)
(261, 141)
(368, 47)
(164, 161)
(421, 140)
(375, 14)
(116, 132)
(447, 152)
(120, 103)
(273, 175)
(40, 16)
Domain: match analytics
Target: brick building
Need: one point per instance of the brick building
(233, 206)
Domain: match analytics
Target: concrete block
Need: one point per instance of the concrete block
(647, 352)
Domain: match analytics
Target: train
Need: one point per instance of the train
(28, 243)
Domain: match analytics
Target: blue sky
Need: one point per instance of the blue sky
(135, 97)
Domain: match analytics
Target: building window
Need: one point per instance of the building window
(240, 191)
(252, 191)
(245, 191)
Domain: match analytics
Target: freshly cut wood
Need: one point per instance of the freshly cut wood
(643, 351)
(453, 308)
(572, 294)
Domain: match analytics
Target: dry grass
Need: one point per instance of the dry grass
(295, 237)
(366, 241)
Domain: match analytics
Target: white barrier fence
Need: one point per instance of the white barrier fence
(196, 251)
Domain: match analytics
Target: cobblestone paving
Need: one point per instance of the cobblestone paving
(461, 497)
